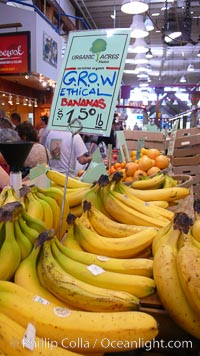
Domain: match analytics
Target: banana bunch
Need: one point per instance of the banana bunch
(75, 189)
(8, 195)
(18, 232)
(63, 325)
(176, 273)
(158, 181)
(196, 224)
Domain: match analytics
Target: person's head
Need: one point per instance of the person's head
(2, 114)
(44, 120)
(5, 123)
(8, 135)
(15, 118)
(27, 132)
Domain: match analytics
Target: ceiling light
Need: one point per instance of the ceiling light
(140, 59)
(172, 30)
(29, 102)
(134, 6)
(198, 54)
(190, 68)
(138, 29)
(182, 79)
(149, 24)
(35, 103)
(139, 46)
(24, 101)
(17, 100)
(149, 54)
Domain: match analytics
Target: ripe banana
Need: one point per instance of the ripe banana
(161, 236)
(76, 197)
(127, 215)
(14, 341)
(52, 192)
(70, 241)
(80, 294)
(30, 233)
(77, 210)
(10, 195)
(126, 247)
(138, 266)
(34, 223)
(24, 243)
(196, 230)
(47, 212)
(10, 255)
(140, 286)
(168, 284)
(26, 276)
(60, 178)
(188, 266)
(33, 206)
(60, 324)
(155, 182)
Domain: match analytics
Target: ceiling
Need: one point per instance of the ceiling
(169, 63)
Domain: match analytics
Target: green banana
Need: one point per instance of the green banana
(24, 243)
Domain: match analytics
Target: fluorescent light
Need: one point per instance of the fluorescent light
(139, 46)
(134, 6)
(138, 29)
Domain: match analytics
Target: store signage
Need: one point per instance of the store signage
(15, 53)
(89, 81)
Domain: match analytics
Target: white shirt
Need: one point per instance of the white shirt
(64, 154)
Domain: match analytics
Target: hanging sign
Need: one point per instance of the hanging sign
(90, 80)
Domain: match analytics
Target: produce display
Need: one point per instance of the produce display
(86, 274)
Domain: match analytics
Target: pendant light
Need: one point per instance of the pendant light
(134, 6)
(138, 29)
(149, 54)
(139, 46)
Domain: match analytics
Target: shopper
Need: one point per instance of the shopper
(38, 153)
(43, 132)
(66, 150)
(15, 119)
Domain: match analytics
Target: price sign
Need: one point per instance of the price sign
(90, 80)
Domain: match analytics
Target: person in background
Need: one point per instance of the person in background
(15, 119)
(2, 114)
(38, 153)
(43, 132)
(65, 153)
(7, 134)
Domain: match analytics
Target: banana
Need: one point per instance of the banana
(69, 239)
(142, 207)
(110, 227)
(169, 194)
(60, 178)
(81, 294)
(3, 195)
(161, 236)
(161, 203)
(10, 196)
(76, 197)
(140, 286)
(24, 243)
(169, 182)
(33, 207)
(47, 212)
(33, 223)
(155, 182)
(188, 266)
(63, 325)
(196, 230)
(10, 255)
(2, 233)
(26, 276)
(168, 284)
(138, 266)
(30, 233)
(77, 210)
(56, 210)
(127, 215)
(94, 197)
(52, 192)
(14, 340)
(126, 247)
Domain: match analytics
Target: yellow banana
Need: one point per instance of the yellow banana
(2, 232)
(138, 266)
(30, 233)
(33, 206)
(110, 227)
(126, 247)
(3, 195)
(63, 325)
(127, 215)
(155, 182)
(47, 212)
(168, 284)
(10, 196)
(196, 230)
(77, 210)
(26, 276)
(80, 294)
(76, 197)
(52, 192)
(33, 223)
(161, 203)
(140, 286)
(24, 243)
(60, 178)
(161, 236)
(69, 239)
(14, 342)
(10, 255)
(188, 266)
(169, 182)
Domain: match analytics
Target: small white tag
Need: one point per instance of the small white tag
(61, 312)
(41, 300)
(95, 270)
(103, 258)
(28, 340)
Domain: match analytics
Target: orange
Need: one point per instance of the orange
(112, 170)
(123, 164)
(130, 168)
(153, 170)
(153, 153)
(117, 165)
(145, 163)
(162, 161)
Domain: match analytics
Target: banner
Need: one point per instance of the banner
(15, 53)
(89, 81)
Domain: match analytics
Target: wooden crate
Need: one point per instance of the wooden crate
(152, 139)
(186, 150)
(194, 172)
